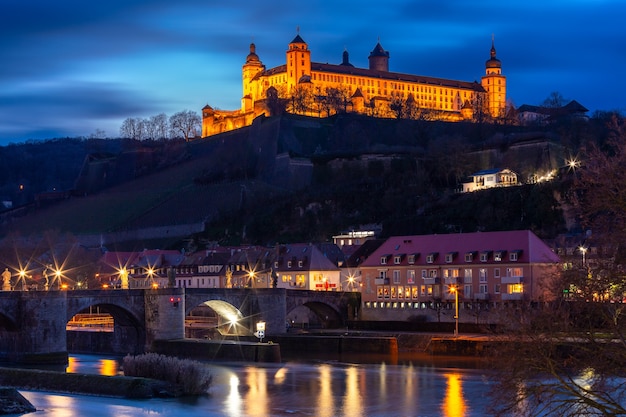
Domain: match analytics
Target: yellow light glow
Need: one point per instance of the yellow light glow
(453, 404)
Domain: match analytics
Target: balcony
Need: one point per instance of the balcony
(481, 296)
(451, 281)
(513, 297)
(512, 280)
(381, 281)
(431, 281)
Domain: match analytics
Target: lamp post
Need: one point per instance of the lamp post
(455, 290)
(583, 251)
(260, 330)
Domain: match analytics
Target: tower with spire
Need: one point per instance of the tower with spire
(494, 84)
(298, 61)
(250, 69)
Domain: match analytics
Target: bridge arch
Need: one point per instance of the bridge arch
(127, 335)
(314, 314)
(215, 318)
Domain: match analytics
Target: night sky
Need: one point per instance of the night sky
(71, 67)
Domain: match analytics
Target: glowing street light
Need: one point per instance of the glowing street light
(22, 278)
(57, 278)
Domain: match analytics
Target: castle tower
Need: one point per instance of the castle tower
(251, 68)
(379, 59)
(298, 61)
(494, 84)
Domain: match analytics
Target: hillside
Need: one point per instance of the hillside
(294, 178)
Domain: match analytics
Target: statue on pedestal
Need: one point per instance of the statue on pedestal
(6, 280)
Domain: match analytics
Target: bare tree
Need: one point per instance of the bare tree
(301, 99)
(398, 107)
(567, 356)
(132, 128)
(554, 100)
(185, 124)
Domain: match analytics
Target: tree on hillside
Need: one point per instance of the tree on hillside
(157, 127)
(185, 124)
(600, 186)
(554, 101)
(570, 353)
(132, 128)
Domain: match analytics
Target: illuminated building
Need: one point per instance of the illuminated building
(410, 275)
(311, 88)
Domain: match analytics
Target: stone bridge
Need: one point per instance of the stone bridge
(33, 323)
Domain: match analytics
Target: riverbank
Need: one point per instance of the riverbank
(71, 383)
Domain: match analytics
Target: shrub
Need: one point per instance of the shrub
(192, 377)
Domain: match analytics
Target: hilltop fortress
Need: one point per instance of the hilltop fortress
(310, 88)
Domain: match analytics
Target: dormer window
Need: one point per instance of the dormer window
(497, 256)
(383, 259)
(469, 256)
(450, 257)
(430, 258)
(514, 256)
(484, 256)
(299, 264)
(288, 264)
(397, 259)
(411, 259)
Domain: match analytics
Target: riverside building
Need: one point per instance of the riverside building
(304, 86)
(410, 276)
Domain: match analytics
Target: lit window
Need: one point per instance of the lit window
(410, 276)
(482, 275)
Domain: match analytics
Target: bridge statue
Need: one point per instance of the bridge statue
(6, 280)
(171, 277)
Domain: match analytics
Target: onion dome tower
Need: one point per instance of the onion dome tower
(250, 69)
(494, 84)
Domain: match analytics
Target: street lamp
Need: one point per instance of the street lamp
(455, 290)
(583, 251)
(260, 330)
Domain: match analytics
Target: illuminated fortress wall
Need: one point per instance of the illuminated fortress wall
(301, 86)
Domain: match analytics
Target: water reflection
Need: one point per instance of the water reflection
(100, 366)
(325, 389)
(453, 403)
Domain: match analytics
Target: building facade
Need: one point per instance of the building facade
(321, 89)
(407, 274)
(490, 178)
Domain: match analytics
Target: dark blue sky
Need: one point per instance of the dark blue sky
(70, 67)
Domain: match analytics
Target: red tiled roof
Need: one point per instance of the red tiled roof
(529, 247)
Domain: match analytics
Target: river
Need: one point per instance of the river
(413, 387)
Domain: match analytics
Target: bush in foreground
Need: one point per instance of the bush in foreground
(192, 377)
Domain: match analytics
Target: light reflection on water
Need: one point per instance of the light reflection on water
(324, 389)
